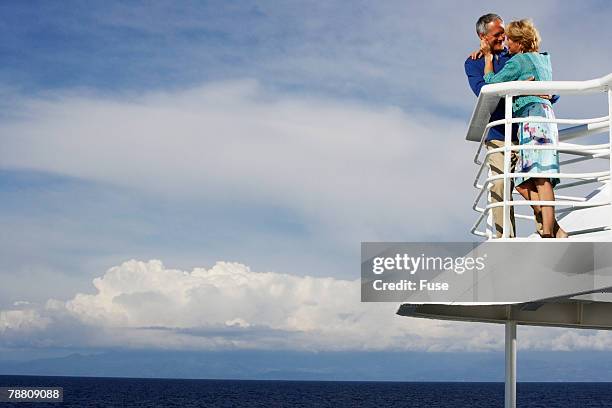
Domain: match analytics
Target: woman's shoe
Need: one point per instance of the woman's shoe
(539, 223)
(560, 233)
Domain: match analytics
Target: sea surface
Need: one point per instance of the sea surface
(138, 392)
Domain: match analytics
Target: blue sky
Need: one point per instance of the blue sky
(272, 137)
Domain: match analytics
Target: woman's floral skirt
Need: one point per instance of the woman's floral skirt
(533, 133)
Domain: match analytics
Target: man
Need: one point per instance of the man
(490, 28)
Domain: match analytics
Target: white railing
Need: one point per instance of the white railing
(479, 129)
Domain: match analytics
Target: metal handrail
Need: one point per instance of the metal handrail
(592, 121)
(583, 177)
(592, 150)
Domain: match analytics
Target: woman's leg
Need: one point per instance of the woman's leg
(550, 228)
(529, 191)
(545, 192)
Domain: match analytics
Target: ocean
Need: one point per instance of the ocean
(139, 392)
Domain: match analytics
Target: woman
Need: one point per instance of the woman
(523, 41)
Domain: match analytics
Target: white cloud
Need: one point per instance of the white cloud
(144, 304)
(565, 340)
(349, 169)
(22, 320)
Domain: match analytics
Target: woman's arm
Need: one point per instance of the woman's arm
(488, 69)
(485, 49)
(510, 72)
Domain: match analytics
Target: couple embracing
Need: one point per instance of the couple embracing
(512, 53)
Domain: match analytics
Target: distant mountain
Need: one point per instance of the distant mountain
(292, 365)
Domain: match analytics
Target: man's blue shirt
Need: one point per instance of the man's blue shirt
(474, 69)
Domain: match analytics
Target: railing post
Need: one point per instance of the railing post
(491, 231)
(610, 154)
(507, 154)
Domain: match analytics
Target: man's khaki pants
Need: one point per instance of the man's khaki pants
(496, 163)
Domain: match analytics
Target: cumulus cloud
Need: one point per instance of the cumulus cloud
(145, 304)
(148, 305)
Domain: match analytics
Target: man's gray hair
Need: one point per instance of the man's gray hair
(481, 24)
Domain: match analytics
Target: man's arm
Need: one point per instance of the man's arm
(475, 75)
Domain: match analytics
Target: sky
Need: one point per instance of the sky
(200, 175)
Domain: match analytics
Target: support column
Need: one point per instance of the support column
(510, 393)
(507, 226)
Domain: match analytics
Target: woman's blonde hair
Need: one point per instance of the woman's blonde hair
(524, 33)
